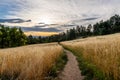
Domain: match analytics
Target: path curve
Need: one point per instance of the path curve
(71, 70)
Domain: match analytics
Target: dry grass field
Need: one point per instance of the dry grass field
(102, 51)
(28, 62)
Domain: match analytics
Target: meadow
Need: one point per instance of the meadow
(99, 56)
(31, 62)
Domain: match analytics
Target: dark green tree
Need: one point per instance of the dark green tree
(11, 37)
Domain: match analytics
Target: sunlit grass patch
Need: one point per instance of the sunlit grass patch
(28, 62)
(99, 56)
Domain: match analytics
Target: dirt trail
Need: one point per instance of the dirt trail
(71, 70)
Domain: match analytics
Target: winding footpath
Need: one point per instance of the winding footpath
(71, 70)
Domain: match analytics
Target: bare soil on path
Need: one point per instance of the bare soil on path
(71, 70)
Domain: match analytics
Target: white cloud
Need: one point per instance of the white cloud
(61, 10)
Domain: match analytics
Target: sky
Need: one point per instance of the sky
(55, 15)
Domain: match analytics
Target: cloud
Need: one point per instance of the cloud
(13, 20)
(59, 11)
(62, 9)
(39, 29)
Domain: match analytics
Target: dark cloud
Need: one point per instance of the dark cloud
(37, 29)
(88, 19)
(13, 20)
(67, 25)
(83, 21)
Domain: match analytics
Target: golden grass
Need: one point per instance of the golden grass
(103, 51)
(28, 62)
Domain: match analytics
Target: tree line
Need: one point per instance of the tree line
(11, 37)
(109, 26)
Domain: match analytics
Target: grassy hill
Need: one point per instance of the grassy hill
(99, 57)
(31, 62)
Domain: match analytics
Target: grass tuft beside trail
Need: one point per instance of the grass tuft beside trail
(58, 67)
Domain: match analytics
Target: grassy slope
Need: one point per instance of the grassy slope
(98, 57)
(88, 69)
(31, 62)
